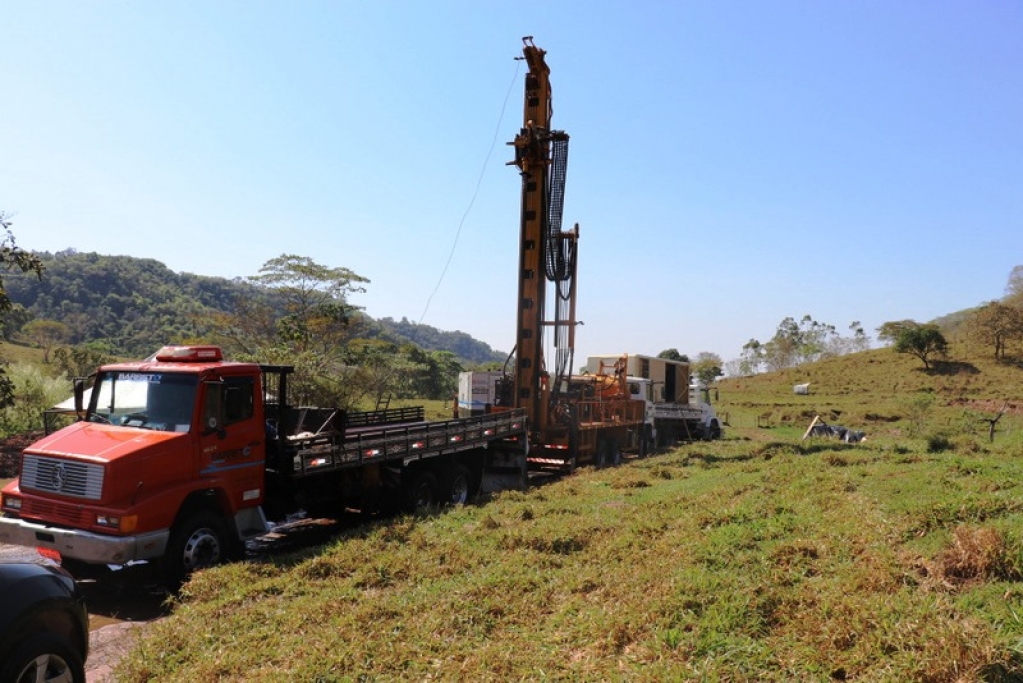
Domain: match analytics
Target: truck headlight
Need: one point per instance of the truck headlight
(126, 523)
(110, 521)
(10, 503)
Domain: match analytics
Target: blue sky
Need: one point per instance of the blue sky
(731, 163)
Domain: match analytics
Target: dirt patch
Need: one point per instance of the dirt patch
(992, 406)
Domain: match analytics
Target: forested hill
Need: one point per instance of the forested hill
(131, 306)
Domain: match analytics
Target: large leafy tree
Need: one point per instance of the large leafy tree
(305, 320)
(922, 341)
(888, 333)
(46, 334)
(707, 367)
(673, 354)
(996, 325)
(12, 257)
(314, 299)
(79, 361)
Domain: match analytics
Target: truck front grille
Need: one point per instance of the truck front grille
(65, 477)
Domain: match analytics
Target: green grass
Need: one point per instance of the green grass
(725, 561)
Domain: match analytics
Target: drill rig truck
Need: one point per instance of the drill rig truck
(572, 419)
(676, 408)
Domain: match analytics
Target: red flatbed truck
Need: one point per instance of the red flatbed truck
(183, 457)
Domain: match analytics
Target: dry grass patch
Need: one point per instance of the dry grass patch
(975, 553)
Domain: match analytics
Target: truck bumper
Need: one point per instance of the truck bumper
(85, 546)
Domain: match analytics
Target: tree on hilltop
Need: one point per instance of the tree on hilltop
(922, 341)
(995, 325)
(888, 333)
(752, 358)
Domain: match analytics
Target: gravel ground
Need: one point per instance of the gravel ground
(106, 647)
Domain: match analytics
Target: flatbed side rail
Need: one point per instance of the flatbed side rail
(329, 452)
(668, 411)
(388, 416)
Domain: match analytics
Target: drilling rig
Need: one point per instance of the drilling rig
(572, 418)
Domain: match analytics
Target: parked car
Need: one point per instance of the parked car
(44, 626)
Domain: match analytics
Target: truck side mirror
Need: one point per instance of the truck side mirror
(79, 385)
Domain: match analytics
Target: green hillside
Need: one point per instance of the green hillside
(881, 392)
(129, 307)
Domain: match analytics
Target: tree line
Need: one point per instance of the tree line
(127, 306)
(84, 309)
(996, 326)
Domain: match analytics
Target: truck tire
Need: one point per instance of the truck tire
(714, 431)
(614, 453)
(44, 657)
(456, 487)
(646, 441)
(420, 493)
(609, 453)
(197, 542)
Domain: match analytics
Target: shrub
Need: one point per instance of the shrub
(34, 392)
(939, 443)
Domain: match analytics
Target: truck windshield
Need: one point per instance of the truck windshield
(149, 400)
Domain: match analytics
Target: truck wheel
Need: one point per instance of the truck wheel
(43, 658)
(643, 445)
(421, 493)
(196, 543)
(714, 432)
(609, 453)
(614, 453)
(457, 486)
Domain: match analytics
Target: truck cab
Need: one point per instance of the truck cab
(670, 421)
(177, 437)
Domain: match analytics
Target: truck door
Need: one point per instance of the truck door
(233, 438)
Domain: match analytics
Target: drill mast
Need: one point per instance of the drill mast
(546, 254)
